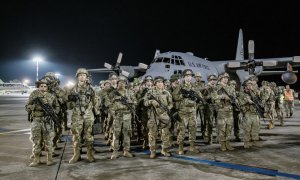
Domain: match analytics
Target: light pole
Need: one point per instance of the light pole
(37, 59)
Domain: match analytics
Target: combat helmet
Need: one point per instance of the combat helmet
(187, 72)
(174, 77)
(148, 78)
(198, 74)
(81, 71)
(223, 75)
(41, 81)
(122, 78)
(158, 78)
(212, 77)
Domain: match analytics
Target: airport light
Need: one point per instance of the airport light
(57, 75)
(70, 84)
(37, 59)
(26, 81)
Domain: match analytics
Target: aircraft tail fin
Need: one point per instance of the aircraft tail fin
(240, 47)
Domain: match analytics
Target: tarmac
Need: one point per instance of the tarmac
(278, 158)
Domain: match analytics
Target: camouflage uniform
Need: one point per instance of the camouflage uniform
(187, 113)
(59, 93)
(224, 112)
(268, 100)
(42, 127)
(236, 112)
(159, 118)
(142, 111)
(250, 121)
(278, 93)
(199, 87)
(85, 107)
(122, 118)
(210, 110)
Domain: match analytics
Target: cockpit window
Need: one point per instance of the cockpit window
(166, 60)
(182, 62)
(158, 60)
(177, 62)
(172, 61)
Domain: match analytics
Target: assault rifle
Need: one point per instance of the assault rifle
(48, 110)
(124, 100)
(193, 96)
(75, 98)
(232, 99)
(258, 105)
(165, 108)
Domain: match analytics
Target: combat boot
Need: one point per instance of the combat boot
(36, 161)
(127, 154)
(114, 155)
(257, 144)
(247, 144)
(209, 142)
(152, 154)
(180, 150)
(90, 155)
(193, 148)
(228, 146)
(281, 121)
(165, 152)
(49, 159)
(76, 156)
(223, 146)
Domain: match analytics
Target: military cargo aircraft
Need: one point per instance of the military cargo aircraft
(169, 63)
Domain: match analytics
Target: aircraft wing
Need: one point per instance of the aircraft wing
(267, 63)
(100, 70)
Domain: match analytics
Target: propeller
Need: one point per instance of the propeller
(251, 65)
(117, 69)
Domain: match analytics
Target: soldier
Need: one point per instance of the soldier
(280, 104)
(224, 111)
(167, 84)
(268, 100)
(251, 121)
(289, 95)
(210, 110)
(103, 108)
(142, 111)
(156, 100)
(59, 93)
(42, 126)
(187, 111)
(199, 87)
(83, 101)
(122, 103)
(236, 112)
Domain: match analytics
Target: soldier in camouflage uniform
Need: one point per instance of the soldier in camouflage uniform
(210, 110)
(142, 111)
(250, 121)
(268, 100)
(236, 112)
(159, 117)
(199, 87)
(104, 109)
(187, 112)
(224, 111)
(113, 85)
(122, 103)
(42, 126)
(84, 103)
(279, 104)
(59, 93)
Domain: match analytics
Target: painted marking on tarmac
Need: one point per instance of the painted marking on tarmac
(17, 131)
(240, 167)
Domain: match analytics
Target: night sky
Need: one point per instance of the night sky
(71, 34)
